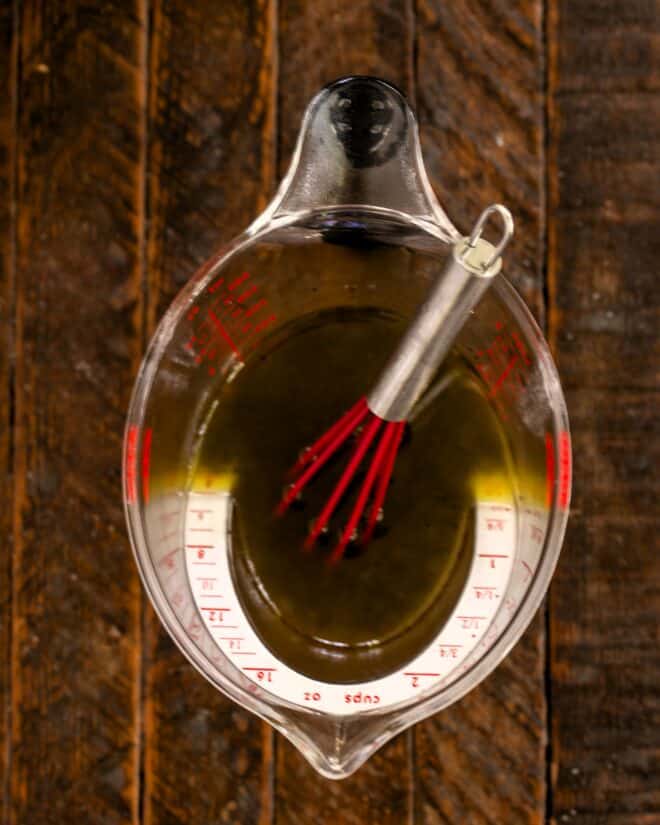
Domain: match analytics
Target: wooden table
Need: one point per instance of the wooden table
(136, 136)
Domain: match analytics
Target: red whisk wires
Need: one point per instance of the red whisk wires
(377, 478)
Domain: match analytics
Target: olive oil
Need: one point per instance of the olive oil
(382, 604)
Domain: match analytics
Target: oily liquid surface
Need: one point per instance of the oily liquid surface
(380, 606)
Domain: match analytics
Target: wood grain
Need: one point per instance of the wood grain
(8, 35)
(480, 93)
(379, 792)
(604, 246)
(75, 651)
(481, 761)
(319, 43)
(211, 170)
(144, 133)
(212, 118)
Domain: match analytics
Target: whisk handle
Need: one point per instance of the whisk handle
(467, 274)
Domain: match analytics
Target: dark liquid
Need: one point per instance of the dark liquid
(381, 605)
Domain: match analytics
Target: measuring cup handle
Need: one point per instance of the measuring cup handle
(465, 277)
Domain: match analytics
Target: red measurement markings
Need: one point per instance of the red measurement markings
(146, 463)
(215, 614)
(471, 623)
(564, 469)
(449, 651)
(223, 333)
(360, 698)
(549, 470)
(492, 558)
(131, 461)
(200, 529)
(410, 673)
(263, 674)
(231, 321)
(504, 361)
(536, 533)
(485, 593)
(199, 512)
(242, 298)
(168, 558)
(254, 309)
(235, 642)
(238, 281)
(415, 677)
(200, 550)
(563, 480)
(495, 524)
(267, 322)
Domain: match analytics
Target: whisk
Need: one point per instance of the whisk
(380, 417)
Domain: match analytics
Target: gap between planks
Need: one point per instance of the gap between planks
(13, 447)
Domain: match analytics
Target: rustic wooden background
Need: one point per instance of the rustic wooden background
(135, 136)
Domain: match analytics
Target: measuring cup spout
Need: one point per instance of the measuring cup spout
(338, 747)
(359, 146)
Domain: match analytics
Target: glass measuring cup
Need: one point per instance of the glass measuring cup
(354, 233)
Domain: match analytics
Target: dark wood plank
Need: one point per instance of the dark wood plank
(320, 42)
(604, 247)
(8, 45)
(211, 171)
(212, 117)
(470, 758)
(378, 792)
(480, 93)
(75, 652)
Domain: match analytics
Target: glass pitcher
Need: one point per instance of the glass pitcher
(277, 328)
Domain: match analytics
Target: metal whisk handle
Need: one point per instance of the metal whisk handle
(467, 274)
